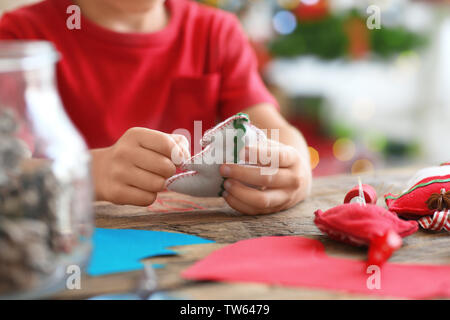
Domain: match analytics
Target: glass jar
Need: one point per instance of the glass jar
(45, 188)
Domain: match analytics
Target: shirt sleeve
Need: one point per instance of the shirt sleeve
(9, 28)
(241, 84)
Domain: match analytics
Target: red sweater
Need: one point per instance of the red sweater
(199, 67)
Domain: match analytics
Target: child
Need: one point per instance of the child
(161, 65)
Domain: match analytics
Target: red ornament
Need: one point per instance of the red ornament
(382, 247)
(426, 194)
(358, 35)
(312, 12)
(368, 225)
(370, 195)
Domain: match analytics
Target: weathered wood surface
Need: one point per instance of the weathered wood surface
(220, 223)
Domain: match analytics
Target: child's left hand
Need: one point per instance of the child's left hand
(288, 185)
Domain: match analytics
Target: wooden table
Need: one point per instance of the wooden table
(220, 223)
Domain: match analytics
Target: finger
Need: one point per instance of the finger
(156, 141)
(144, 180)
(271, 142)
(153, 162)
(244, 208)
(183, 143)
(280, 156)
(258, 199)
(253, 175)
(128, 195)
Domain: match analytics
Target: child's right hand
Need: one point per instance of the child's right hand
(135, 169)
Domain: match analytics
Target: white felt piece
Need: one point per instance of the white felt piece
(195, 184)
(202, 177)
(437, 171)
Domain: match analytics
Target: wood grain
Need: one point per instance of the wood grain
(218, 222)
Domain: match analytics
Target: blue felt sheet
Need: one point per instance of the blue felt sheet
(120, 250)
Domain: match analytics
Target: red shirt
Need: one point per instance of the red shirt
(199, 67)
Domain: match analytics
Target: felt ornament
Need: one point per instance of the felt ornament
(221, 144)
(369, 193)
(427, 192)
(366, 225)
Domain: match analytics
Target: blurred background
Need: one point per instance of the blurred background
(366, 81)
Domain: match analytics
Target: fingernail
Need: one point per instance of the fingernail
(227, 184)
(226, 171)
(224, 194)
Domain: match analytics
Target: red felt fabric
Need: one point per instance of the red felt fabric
(370, 195)
(358, 225)
(413, 204)
(200, 67)
(302, 262)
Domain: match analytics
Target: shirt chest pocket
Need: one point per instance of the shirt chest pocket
(195, 97)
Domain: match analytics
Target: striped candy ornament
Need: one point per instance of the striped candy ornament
(440, 220)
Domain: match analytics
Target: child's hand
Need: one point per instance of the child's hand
(135, 169)
(288, 185)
